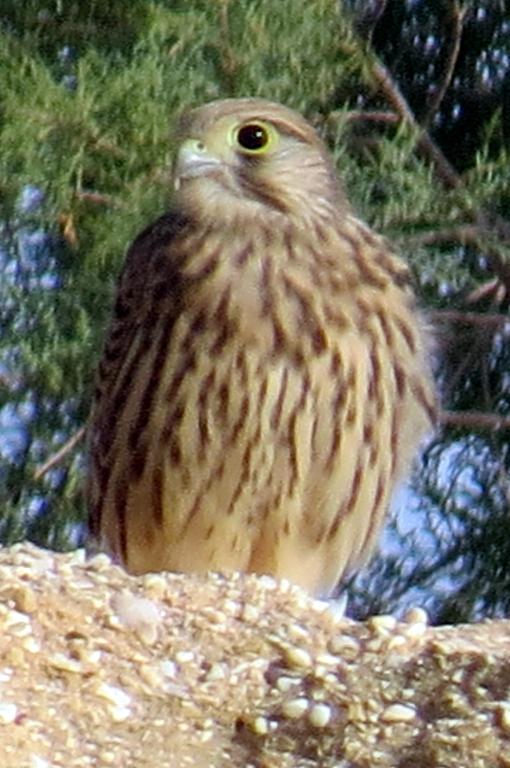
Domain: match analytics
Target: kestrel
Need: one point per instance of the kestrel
(265, 380)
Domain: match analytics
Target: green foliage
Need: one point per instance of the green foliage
(89, 94)
(46, 26)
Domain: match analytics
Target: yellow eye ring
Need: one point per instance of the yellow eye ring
(254, 137)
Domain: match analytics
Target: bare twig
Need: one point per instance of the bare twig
(492, 291)
(491, 228)
(457, 17)
(97, 197)
(465, 234)
(468, 318)
(57, 457)
(488, 226)
(475, 420)
(376, 116)
(390, 89)
(229, 62)
(474, 358)
(477, 236)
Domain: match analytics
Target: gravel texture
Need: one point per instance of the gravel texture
(98, 668)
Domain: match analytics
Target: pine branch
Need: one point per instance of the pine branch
(489, 226)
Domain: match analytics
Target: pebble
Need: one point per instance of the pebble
(383, 624)
(319, 715)
(399, 713)
(38, 762)
(414, 631)
(261, 726)
(64, 663)
(295, 708)
(416, 615)
(8, 713)
(184, 657)
(113, 694)
(298, 657)
(504, 716)
(346, 647)
(285, 683)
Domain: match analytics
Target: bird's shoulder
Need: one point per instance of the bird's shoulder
(153, 243)
(148, 255)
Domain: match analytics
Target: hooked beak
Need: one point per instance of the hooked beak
(193, 160)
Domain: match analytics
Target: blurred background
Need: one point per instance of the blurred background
(412, 97)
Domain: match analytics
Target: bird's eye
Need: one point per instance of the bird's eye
(253, 137)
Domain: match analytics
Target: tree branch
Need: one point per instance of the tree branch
(376, 116)
(430, 151)
(474, 420)
(57, 457)
(457, 16)
(96, 197)
(489, 227)
(465, 234)
(468, 318)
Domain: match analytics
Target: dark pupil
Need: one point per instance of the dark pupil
(252, 137)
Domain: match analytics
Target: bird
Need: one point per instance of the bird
(266, 378)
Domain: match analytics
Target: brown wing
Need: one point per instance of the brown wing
(148, 256)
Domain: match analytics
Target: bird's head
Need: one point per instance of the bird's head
(243, 158)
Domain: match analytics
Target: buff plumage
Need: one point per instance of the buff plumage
(265, 381)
